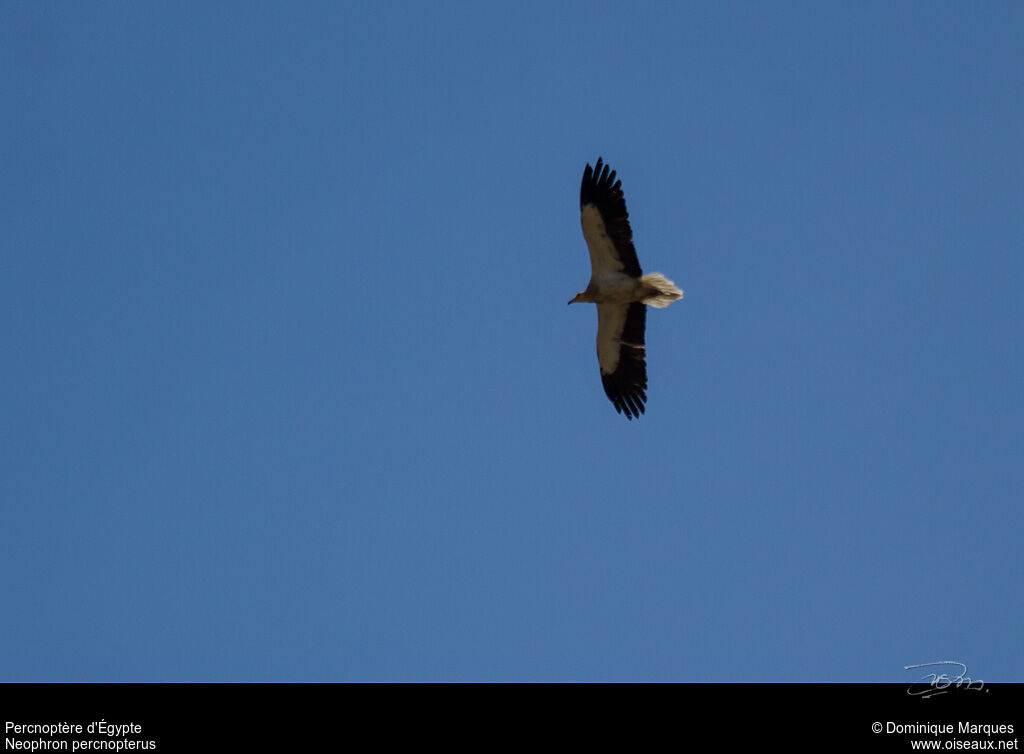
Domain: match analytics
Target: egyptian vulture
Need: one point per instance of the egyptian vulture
(619, 288)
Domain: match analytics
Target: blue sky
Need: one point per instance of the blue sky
(291, 392)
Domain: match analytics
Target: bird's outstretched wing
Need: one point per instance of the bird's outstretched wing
(605, 222)
(620, 354)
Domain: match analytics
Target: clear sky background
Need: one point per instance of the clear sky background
(290, 390)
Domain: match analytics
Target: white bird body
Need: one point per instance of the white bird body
(611, 287)
(619, 289)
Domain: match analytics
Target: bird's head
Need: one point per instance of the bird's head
(578, 298)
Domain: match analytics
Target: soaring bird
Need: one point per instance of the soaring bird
(619, 288)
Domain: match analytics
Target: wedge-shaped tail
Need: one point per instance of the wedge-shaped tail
(659, 291)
